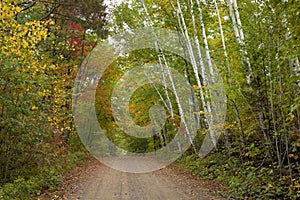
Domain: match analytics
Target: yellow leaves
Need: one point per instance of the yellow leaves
(25, 43)
(8, 10)
(3, 49)
(53, 67)
(51, 23)
(5, 12)
(297, 185)
(18, 9)
(34, 107)
(19, 39)
(200, 113)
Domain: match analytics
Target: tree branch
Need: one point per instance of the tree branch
(28, 7)
(49, 13)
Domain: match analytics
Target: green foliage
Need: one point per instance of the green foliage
(241, 181)
(38, 66)
(47, 178)
(258, 154)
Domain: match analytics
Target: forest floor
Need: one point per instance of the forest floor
(93, 180)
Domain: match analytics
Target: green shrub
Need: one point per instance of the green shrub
(46, 178)
(241, 180)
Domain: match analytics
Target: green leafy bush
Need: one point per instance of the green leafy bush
(241, 180)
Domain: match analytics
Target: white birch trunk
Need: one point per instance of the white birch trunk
(183, 28)
(239, 34)
(234, 23)
(238, 20)
(208, 57)
(223, 40)
(221, 28)
(206, 105)
(160, 64)
(182, 114)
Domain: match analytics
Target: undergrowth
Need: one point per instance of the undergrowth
(41, 179)
(242, 180)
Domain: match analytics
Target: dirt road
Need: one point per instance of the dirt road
(95, 181)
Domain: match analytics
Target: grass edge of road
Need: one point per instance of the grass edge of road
(77, 161)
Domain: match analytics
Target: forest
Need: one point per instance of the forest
(225, 72)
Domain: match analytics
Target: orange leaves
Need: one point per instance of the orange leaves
(293, 156)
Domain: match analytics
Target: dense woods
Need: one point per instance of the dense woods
(251, 47)
(42, 45)
(254, 46)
